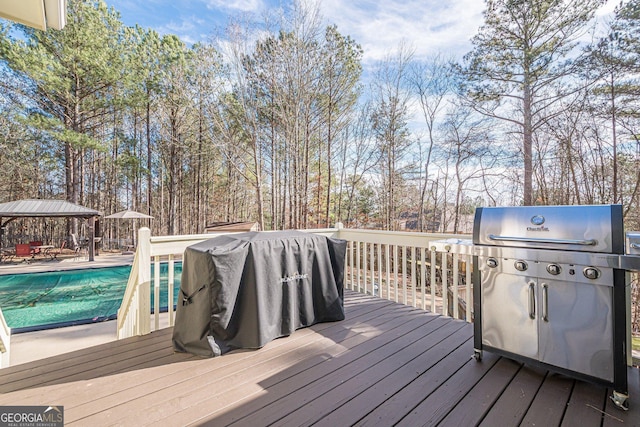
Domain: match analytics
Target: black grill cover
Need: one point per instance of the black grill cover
(244, 290)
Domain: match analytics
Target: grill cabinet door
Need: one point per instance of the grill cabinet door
(577, 331)
(507, 323)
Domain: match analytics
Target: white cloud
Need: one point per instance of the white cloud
(236, 5)
(187, 28)
(428, 26)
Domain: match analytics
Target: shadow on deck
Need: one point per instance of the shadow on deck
(386, 364)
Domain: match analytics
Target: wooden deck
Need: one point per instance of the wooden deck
(386, 364)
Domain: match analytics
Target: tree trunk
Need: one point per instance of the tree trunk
(527, 147)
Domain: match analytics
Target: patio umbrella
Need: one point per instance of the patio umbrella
(129, 214)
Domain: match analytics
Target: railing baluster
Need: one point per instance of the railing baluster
(414, 282)
(423, 277)
(372, 266)
(404, 275)
(433, 282)
(136, 315)
(351, 272)
(467, 296)
(143, 312)
(445, 296)
(359, 265)
(387, 270)
(456, 275)
(171, 284)
(364, 266)
(395, 271)
(156, 292)
(379, 245)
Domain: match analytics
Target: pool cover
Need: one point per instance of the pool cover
(52, 298)
(34, 301)
(246, 289)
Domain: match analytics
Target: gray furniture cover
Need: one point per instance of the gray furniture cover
(244, 290)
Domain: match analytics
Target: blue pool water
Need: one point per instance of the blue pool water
(36, 301)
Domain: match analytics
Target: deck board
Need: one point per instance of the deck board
(473, 407)
(341, 362)
(337, 391)
(354, 408)
(515, 400)
(385, 364)
(189, 394)
(550, 403)
(442, 399)
(585, 406)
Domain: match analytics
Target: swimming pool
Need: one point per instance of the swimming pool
(35, 301)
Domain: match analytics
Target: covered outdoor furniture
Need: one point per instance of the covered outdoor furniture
(244, 290)
(23, 250)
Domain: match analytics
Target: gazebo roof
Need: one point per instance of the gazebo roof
(45, 208)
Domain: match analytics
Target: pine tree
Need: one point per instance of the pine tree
(521, 62)
(69, 77)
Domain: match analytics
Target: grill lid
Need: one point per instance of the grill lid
(592, 228)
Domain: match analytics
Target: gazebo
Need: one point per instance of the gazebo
(43, 208)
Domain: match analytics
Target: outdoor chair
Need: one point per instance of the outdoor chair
(35, 251)
(77, 247)
(7, 254)
(53, 253)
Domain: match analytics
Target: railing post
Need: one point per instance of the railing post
(144, 282)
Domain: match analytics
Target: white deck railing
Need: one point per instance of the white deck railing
(400, 266)
(134, 315)
(405, 267)
(5, 342)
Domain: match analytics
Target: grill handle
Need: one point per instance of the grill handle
(635, 245)
(532, 300)
(545, 302)
(589, 242)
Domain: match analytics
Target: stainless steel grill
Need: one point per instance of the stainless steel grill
(553, 289)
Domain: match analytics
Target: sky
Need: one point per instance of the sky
(428, 27)
(379, 26)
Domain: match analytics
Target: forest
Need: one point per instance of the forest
(275, 121)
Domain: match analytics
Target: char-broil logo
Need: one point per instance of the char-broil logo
(537, 220)
(294, 278)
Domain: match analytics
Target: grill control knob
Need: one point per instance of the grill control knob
(492, 262)
(554, 269)
(591, 273)
(521, 265)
